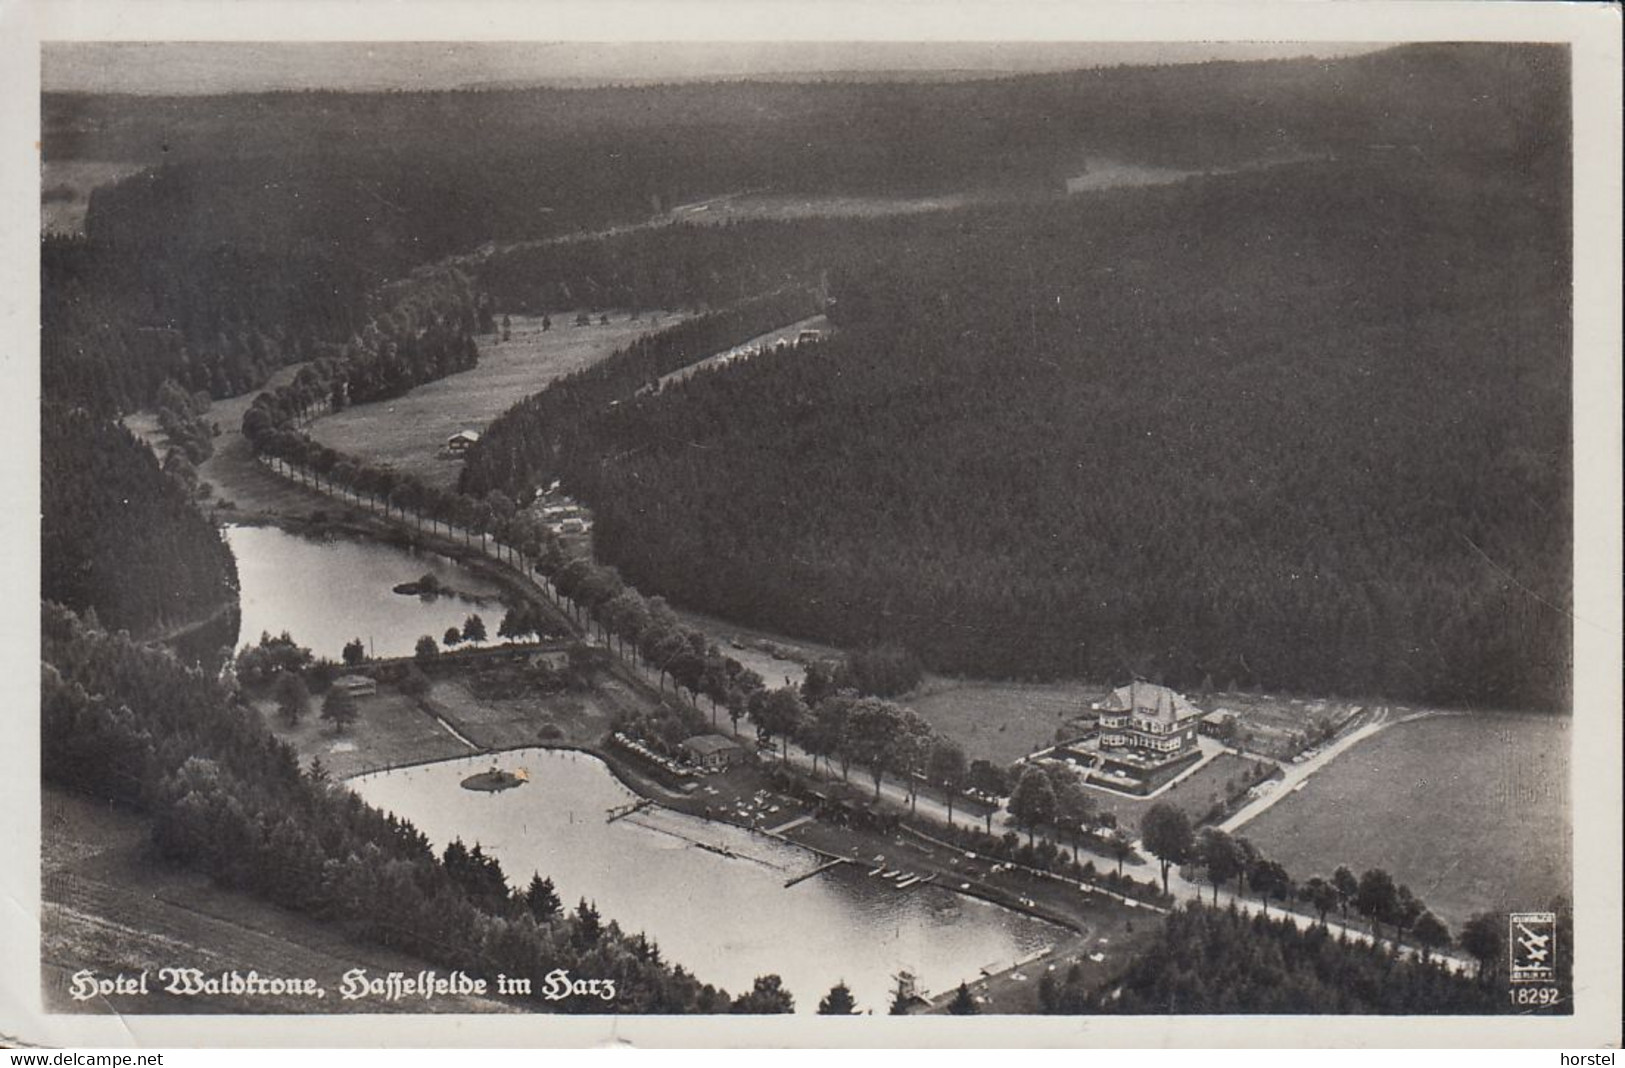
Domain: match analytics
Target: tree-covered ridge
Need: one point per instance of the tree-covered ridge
(677, 265)
(265, 217)
(118, 535)
(1303, 428)
(118, 318)
(130, 725)
(843, 134)
(121, 316)
(518, 451)
(1210, 961)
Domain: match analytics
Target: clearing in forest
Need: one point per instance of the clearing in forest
(409, 432)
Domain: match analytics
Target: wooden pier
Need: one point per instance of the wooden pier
(821, 869)
(627, 810)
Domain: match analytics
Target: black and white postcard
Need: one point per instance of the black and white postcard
(747, 515)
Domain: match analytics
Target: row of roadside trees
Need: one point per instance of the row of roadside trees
(840, 728)
(1392, 909)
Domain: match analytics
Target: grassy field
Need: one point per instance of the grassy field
(1000, 721)
(568, 718)
(108, 909)
(408, 432)
(392, 729)
(1281, 727)
(1471, 811)
(1213, 782)
(1003, 721)
(233, 472)
(389, 729)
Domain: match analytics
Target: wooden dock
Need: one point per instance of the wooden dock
(821, 869)
(627, 810)
(791, 825)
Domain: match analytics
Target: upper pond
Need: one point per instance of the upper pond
(327, 591)
(728, 919)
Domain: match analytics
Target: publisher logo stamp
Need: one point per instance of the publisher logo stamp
(1532, 937)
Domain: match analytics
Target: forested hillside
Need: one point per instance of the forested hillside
(840, 135)
(1304, 427)
(264, 218)
(131, 726)
(118, 535)
(1208, 961)
(517, 450)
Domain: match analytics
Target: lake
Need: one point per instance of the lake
(327, 591)
(726, 919)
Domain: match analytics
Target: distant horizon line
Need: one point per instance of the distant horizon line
(172, 69)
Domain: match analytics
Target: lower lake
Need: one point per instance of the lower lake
(328, 591)
(712, 895)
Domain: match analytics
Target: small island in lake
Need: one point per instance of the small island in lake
(429, 587)
(495, 780)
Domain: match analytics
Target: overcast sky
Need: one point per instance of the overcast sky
(151, 67)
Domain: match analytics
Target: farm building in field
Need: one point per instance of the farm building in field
(356, 685)
(462, 440)
(1148, 718)
(713, 751)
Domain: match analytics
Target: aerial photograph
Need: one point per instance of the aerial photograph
(1041, 529)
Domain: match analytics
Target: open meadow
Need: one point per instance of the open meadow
(1471, 811)
(409, 432)
(495, 710)
(390, 728)
(489, 706)
(1001, 721)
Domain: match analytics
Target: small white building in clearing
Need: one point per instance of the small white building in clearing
(463, 440)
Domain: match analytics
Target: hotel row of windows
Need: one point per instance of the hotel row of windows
(1145, 726)
(1165, 745)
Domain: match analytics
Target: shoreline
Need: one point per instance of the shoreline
(825, 858)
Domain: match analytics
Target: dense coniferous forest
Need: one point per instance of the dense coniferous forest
(1304, 427)
(118, 535)
(830, 136)
(1301, 426)
(264, 218)
(1210, 961)
(515, 453)
(678, 265)
(121, 317)
(130, 725)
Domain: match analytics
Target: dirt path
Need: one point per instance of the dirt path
(746, 349)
